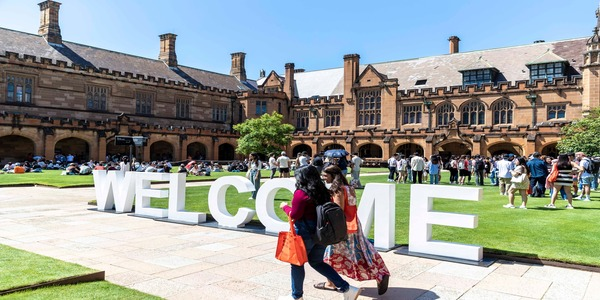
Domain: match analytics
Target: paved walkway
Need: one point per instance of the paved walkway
(196, 262)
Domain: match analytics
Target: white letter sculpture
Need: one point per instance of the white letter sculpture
(177, 202)
(265, 204)
(216, 201)
(422, 217)
(378, 202)
(114, 188)
(143, 193)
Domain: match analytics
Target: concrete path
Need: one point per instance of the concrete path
(196, 262)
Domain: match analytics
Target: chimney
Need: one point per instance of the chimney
(167, 49)
(49, 28)
(453, 44)
(351, 69)
(238, 65)
(288, 86)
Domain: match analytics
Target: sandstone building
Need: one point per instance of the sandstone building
(62, 97)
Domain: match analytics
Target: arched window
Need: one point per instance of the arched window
(503, 112)
(473, 113)
(445, 113)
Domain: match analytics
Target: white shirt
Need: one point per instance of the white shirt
(272, 163)
(357, 161)
(504, 166)
(417, 163)
(303, 161)
(284, 161)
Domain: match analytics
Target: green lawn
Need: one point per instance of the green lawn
(53, 178)
(562, 235)
(20, 268)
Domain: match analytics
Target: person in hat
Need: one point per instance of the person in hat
(283, 162)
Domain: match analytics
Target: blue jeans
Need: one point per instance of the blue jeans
(315, 252)
(255, 174)
(595, 182)
(434, 179)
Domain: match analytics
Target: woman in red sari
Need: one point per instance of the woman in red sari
(356, 257)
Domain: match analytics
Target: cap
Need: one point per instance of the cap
(282, 152)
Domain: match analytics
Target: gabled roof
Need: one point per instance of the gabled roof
(479, 64)
(546, 58)
(92, 57)
(444, 70)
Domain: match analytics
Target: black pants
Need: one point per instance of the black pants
(392, 173)
(540, 182)
(480, 175)
(417, 176)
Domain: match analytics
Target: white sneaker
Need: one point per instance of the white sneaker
(550, 206)
(586, 199)
(569, 206)
(522, 206)
(352, 293)
(508, 206)
(288, 297)
(578, 197)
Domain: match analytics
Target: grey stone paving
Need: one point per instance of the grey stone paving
(196, 262)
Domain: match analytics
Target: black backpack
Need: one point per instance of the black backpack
(331, 224)
(479, 165)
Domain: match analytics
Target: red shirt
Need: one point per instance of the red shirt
(303, 207)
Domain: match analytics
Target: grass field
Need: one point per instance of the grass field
(53, 178)
(20, 268)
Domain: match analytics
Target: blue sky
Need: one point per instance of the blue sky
(312, 34)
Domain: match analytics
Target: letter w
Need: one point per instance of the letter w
(114, 188)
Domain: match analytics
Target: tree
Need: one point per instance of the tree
(582, 135)
(266, 134)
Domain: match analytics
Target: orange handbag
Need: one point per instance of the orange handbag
(350, 212)
(290, 247)
(553, 174)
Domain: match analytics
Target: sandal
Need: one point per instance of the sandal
(323, 286)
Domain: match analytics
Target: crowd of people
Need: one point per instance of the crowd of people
(577, 174)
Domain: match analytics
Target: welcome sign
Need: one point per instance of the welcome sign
(377, 207)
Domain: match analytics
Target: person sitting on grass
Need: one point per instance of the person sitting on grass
(72, 169)
(85, 170)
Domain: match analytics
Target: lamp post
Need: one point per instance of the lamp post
(532, 97)
(428, 104)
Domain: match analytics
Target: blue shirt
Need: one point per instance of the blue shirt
(537, 168)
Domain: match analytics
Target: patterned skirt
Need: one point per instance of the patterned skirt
(356, 258)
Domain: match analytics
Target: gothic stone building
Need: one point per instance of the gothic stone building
(63, 97)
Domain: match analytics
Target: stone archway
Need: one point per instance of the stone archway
(161, 150)
(196, 151)
(505, 148)
(300, 148)
(370, 151)
(409, 149)
(446, 150)
(550, 150)
(16, 148)
(74, 146)
(226, 152)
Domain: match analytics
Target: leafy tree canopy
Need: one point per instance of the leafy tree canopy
(582, 135)
(266, 134)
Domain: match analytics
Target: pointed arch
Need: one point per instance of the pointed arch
(502, 111)
(445, 113)
(472, 112)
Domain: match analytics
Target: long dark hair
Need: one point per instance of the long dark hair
(308, 179)
(563, 162)
(339, 180)
(523, 162)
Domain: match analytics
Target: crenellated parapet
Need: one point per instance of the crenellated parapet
(506, 87)
(70, 67)
(318, 100)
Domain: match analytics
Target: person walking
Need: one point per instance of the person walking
(520, 183)
(539, 172)
(392, 163)
(435, 167)
(272, 165)
(586, 176)
(311, 191)
(254, 166)
(566, 168)
(356, 162)
(356, 257)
